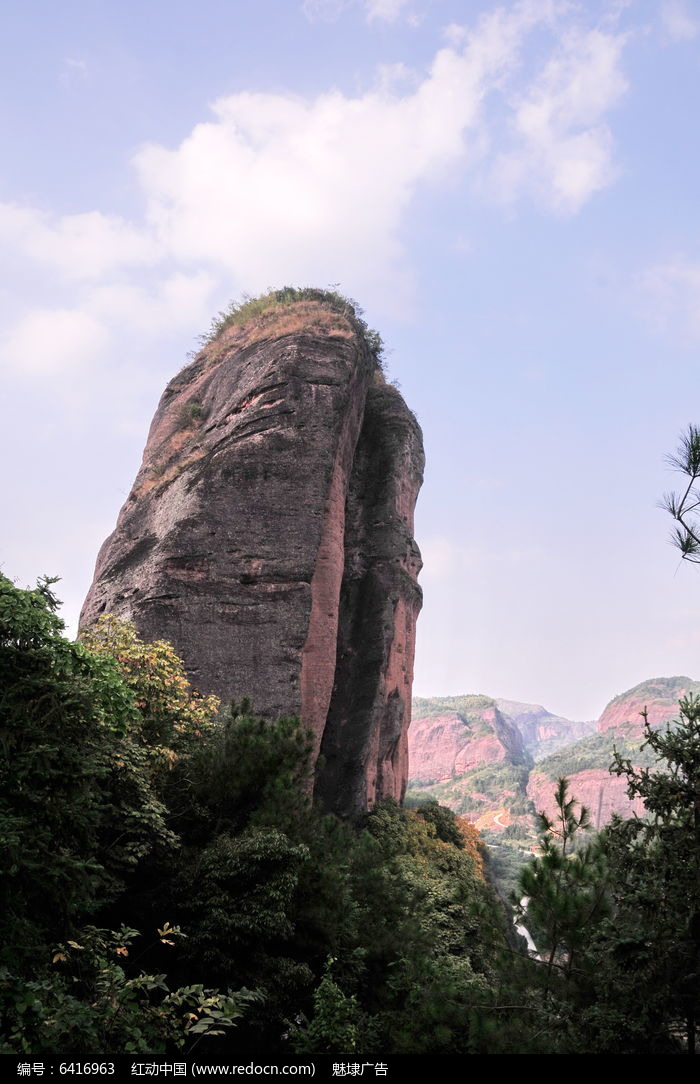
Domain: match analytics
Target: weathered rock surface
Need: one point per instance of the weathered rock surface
(269, 536)
(621, 726)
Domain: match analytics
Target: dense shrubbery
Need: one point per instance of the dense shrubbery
(616, 919)
(127, 799)
(89, 735)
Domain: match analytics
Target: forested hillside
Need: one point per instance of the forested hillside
(166, 878)
(167, 882)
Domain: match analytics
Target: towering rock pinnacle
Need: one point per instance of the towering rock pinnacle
(269, 537)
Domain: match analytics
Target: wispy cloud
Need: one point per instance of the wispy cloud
(677, 21)
(384, 10)
(381, 11)
(671, 295)
(48, 341)
(563, 148)
(73, 70)
(79, 246)
(324, 10)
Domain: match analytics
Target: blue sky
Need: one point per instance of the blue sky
(510, 192)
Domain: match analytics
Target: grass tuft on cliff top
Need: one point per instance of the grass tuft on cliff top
(249, 308)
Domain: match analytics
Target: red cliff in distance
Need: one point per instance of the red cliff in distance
(269, 537)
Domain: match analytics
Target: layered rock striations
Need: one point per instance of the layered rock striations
(475, 754)
(269, 537)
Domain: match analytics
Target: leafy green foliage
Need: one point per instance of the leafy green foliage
(564, 887)
(173, 807)
(87, 1005)
(336, 1020)
(618, 921)
(428, 925)
(656, 864)
(465, 706)
(192, 413)
(76, 807)
(172, 718)
(499, 783)
(89, 739)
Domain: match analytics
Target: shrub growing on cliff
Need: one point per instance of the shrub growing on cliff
(251, 308)
(192, 413)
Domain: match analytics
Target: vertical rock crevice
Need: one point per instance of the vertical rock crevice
(364, 748)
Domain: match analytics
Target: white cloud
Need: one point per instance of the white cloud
(176, 302)
(677, 22)
(563, 150)
(671, 293)
(277, 188)
(281, 188)
(324, 10)
(53, 341)
(80, 246)
(386, 11)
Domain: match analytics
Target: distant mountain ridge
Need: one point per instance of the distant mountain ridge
(542, 731)
(498, 760)
(659, 696)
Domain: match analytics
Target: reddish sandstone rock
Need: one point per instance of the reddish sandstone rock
(444, 743)
(541, 729)
(602, 793)
(269, 536)
(659, 697)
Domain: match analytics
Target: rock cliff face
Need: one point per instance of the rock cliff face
(269, 536)
(467, 754)
(621, 726)
(603, 794)
(445, 743)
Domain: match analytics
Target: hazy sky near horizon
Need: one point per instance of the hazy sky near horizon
(511, 193)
